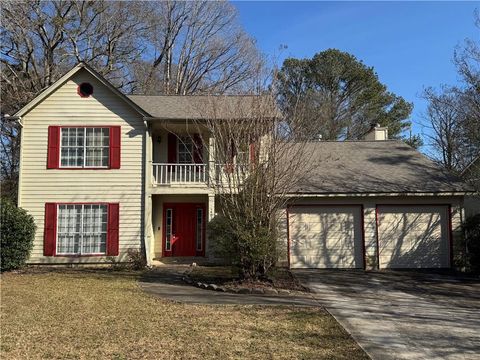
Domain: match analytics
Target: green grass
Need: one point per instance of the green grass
(85, 314)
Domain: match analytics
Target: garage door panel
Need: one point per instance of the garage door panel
(413, 236)
(326, 237)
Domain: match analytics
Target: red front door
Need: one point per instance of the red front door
(184, 229)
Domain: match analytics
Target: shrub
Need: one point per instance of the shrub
(249, 244)
(17, 234)
(223, 239)
(136, 259)
(472, 243)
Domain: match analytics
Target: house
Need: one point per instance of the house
(103, 173)
(471, 174)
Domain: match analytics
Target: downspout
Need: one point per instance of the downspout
(19, 185)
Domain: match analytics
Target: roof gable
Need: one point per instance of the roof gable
(57, 84)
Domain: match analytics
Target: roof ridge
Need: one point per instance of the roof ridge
(352, 141)
(197, 95)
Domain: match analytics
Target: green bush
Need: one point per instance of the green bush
(248, 244)
(17, 234)
(472, 242)
(222, 239)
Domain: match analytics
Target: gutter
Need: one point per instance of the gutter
(454, 193)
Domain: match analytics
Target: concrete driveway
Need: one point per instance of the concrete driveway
(402, 315)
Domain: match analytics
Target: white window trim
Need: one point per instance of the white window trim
(84, 166)
(81, 233)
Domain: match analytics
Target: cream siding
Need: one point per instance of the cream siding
(40, 185)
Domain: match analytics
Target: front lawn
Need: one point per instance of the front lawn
(84, 314)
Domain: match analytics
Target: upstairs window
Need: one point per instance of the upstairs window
(84, 147)
(185, 150)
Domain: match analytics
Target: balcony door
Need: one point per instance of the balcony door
(183, 229)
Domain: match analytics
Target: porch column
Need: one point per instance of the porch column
(211, 206)
(148, 230)
(210, 215)
(211, 162)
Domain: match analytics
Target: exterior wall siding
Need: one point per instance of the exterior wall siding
(39, 185)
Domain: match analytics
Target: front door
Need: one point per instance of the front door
(184, 229)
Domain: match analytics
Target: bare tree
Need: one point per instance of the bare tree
(9, 157)
(40, 40)
(199, 47)
(443, 119)
(454, 111)
(256, 162)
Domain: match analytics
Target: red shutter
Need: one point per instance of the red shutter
(115, 134)
(53, 147)
(233, 150)
(198, 149)
(50, 229)
(113, 227)
(172, 148)
(252, 153)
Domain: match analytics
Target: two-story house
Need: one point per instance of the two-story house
(102, 173)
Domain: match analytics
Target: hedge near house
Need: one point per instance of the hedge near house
(17, 234)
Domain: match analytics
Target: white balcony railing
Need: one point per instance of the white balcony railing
(166, 174)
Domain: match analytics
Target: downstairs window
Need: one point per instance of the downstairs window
(82, 229)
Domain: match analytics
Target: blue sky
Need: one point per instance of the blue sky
(410, 44)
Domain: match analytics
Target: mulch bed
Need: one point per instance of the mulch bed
(225, 278)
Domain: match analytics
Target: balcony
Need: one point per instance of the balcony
(193, 175)
(181, 174)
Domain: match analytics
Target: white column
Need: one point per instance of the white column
(210, 215)
(148, 230)
(211, 206)
(211, 161)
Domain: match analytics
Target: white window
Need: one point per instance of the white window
(185, 150)
(84, 147)
(81, 229)
(168, 230)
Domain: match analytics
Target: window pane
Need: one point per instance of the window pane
(185, 150)
(105, 156)
(94, 232)
(105, 137)
(69, 236)
(168, 230)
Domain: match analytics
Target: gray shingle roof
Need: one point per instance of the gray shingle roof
(177, 107)
(372, 167)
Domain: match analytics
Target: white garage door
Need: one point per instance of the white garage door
(326, 237)
(413, 236)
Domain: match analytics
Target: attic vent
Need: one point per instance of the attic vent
(85, 90)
